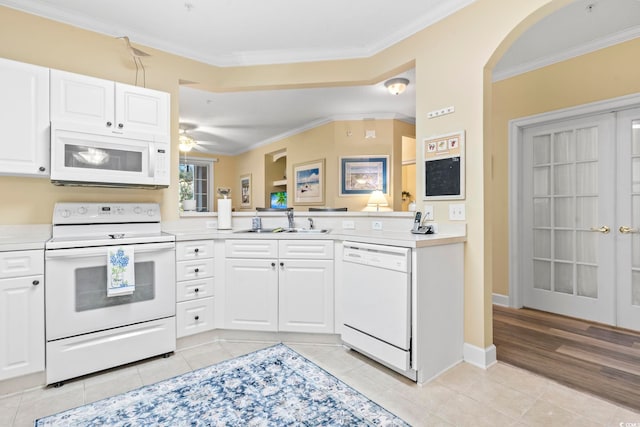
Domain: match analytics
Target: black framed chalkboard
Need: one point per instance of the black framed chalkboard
(442, 177)
(443, 172)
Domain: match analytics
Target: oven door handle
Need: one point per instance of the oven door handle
(102, 250)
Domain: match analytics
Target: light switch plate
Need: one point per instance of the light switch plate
(376, 225)
(348, 225)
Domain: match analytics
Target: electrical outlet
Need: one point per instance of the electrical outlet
(376, 225)
(427, 215)
(456, 212)
(348, 225)
(212, 224)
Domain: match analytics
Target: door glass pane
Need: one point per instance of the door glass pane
(587, 246)
(587, 280)
(563, 215)
(563, 147)
(542, 244)
(587, 144)
(84, 157)
(635, 288)
(563, 277)
(542, 275)
(541, 181)
(635, 138)
(563, 180)
(91, 287)
(563, 245)
(587, 178)
(541, 212)
(635, 175)
(586, 212)
(541, 150)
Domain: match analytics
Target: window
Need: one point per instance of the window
(196, 183)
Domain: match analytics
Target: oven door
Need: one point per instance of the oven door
(76, 292)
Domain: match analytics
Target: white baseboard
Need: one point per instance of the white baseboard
(499, 299)
(480, 357)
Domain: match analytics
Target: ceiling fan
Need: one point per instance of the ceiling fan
(191, 138)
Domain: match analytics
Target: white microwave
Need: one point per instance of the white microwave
(82, 156)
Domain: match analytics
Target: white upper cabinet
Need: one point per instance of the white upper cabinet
(24, 119)
(109, 106)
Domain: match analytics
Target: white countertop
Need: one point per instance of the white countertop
(394, 238)
(24, 237)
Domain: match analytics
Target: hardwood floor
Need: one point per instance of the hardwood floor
(587, 356)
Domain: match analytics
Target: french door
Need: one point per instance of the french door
(580, 195)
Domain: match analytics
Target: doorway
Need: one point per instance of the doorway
(575, 197)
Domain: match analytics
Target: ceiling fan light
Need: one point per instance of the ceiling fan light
(396, 86)
(186, 143)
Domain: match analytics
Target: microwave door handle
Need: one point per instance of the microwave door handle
(152, 159)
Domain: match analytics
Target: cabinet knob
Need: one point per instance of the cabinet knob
(42, 169)
(196, 250)
(197, 317)
(196, 270)
(120, 125)
(281, 264)
(109, 124)
(196, 290)
(273, 264)
(35, 282)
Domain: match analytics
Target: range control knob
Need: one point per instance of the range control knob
(137, 210)
(151, 212)
(65, 213)
(82, 210)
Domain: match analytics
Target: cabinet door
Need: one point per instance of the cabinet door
(142, 110)
(82, 99)
(251, 294)
(24, 119)
(306, 296)
(21, 326)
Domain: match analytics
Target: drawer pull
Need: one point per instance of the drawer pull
(196, 250)
(35, 282)
(197, 270)
(196, 290)
(197, 317)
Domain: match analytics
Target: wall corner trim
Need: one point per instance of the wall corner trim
(480, 357)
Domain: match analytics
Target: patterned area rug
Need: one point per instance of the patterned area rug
(271, 387)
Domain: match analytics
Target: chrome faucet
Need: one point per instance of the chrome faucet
(290, 218)
(310, 223)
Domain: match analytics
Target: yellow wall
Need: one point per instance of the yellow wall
(452, 59)
(577, 81)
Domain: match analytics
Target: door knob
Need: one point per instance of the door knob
(626, 230)
(604, 229)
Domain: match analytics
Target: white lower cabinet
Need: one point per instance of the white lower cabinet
(21, 313)
(194, 287)
(284, 285)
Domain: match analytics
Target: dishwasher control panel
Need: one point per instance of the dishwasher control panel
(381, 256)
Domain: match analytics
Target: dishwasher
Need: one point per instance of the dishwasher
(377, 303)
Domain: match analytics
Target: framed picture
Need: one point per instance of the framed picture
(443, 173)
(363, 174)
(308, 183)
(245, 191)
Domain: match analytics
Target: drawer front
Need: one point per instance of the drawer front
(194, 289)
(21, 263)
(191, 270)
(195, 249)
(193, 317)
(306, 249)
(251, 248)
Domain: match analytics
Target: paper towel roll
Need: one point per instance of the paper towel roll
(224, 214)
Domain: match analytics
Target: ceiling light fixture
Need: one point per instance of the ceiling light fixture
(186, 143)
(396, 86)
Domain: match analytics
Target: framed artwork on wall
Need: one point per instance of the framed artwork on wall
(308, 183)
(245, 191)
(363, 174)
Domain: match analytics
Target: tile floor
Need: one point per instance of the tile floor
(464, 396)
